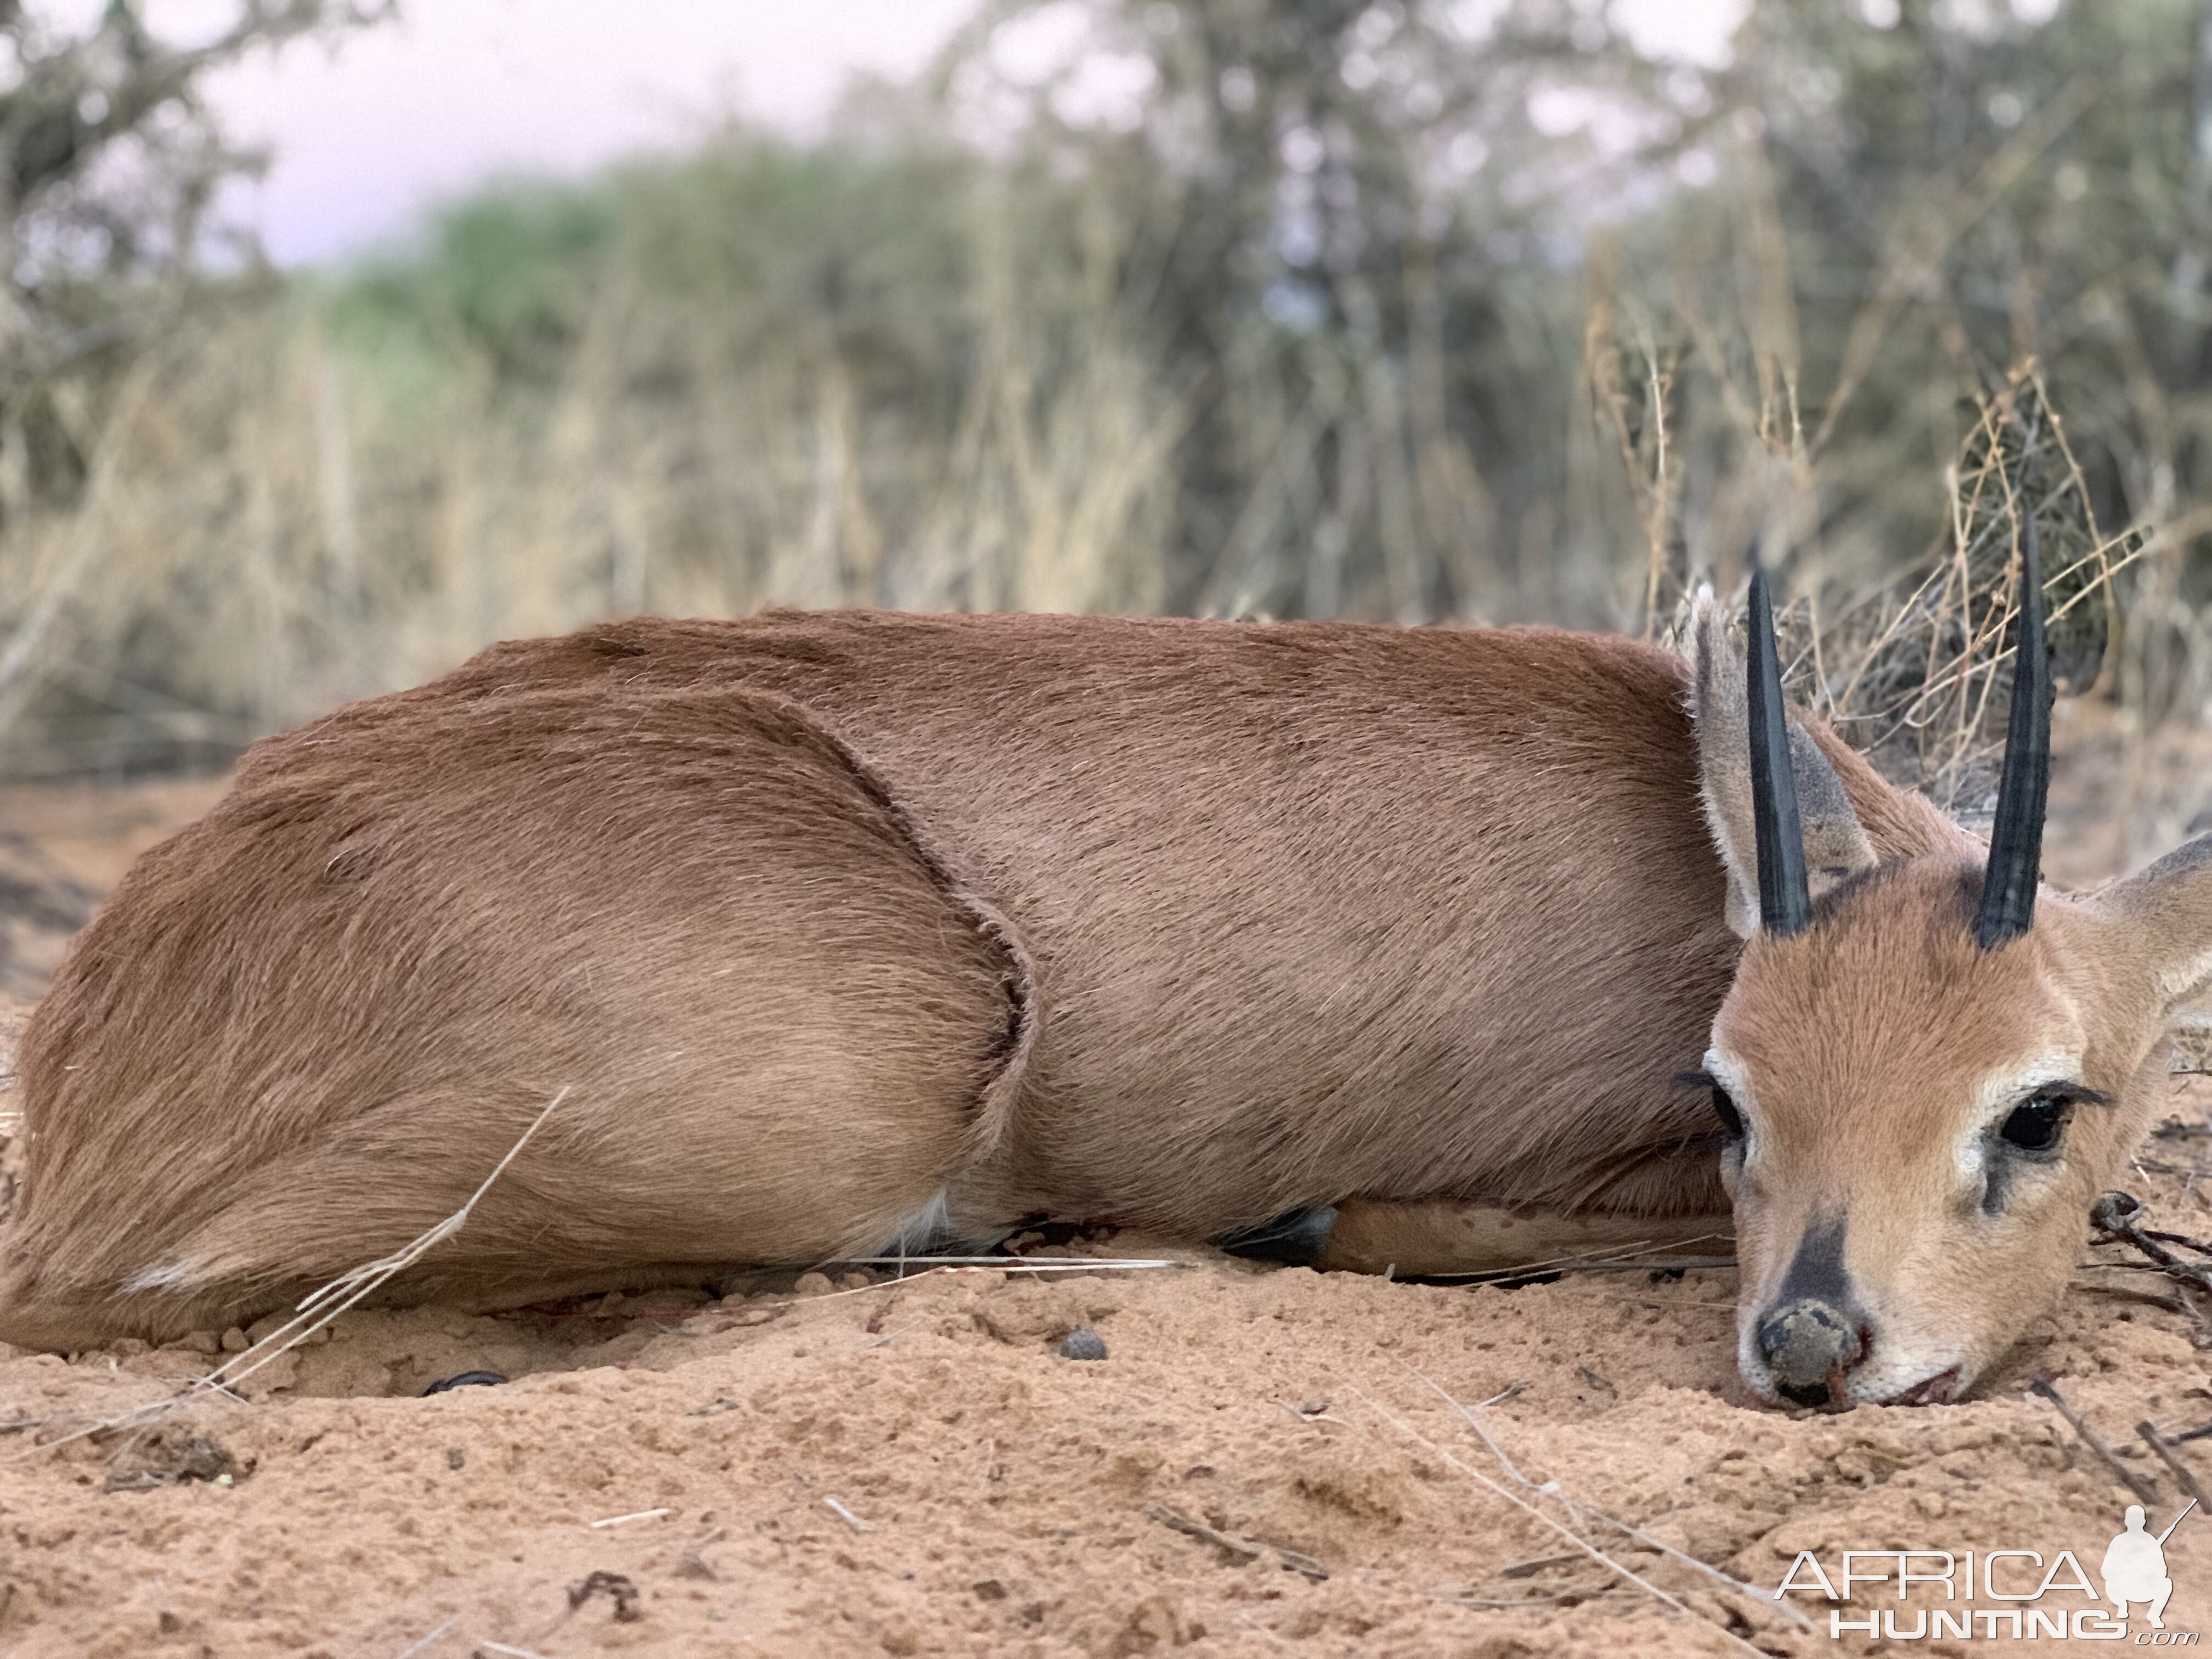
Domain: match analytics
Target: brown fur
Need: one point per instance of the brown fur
(304, 1030)
(1324, 882)
(1226, 846)
(825, 919)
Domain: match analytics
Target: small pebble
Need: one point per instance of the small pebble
(813, 1285)
(1085, 1344)
(234, 1340)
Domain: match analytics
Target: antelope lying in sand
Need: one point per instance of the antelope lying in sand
(852, 933)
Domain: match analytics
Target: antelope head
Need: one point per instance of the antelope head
(1927, 1067)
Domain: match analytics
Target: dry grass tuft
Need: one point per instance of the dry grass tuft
(1919, 675)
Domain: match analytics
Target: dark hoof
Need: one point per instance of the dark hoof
(1296, 1238)
(466, 1380)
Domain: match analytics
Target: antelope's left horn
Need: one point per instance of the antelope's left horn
(2017, 839)
(1785, 903)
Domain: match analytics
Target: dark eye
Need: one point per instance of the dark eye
(1724, 1109)
(2036, 1124)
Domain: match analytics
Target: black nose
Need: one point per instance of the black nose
(1810, 1346)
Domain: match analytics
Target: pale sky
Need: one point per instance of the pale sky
(459, 90)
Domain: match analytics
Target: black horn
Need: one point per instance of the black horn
(1785, 903)
(2017, 839)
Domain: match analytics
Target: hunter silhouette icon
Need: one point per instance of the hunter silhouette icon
(2135, 1566)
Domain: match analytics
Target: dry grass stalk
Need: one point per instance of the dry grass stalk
(1919, 676)
(1582, 1545)
(423, 1643)
(317, 1310)
(624, 1520)
(1587, 1512)
(1620, 1258)
(1638, 420)
(1917, 670)
(1012, 1264)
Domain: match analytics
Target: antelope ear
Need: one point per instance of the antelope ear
(1835, 844)
(2167, 911)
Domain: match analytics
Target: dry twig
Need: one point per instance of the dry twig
(2144, 1491)
(2159, 1444)
(1247, 1549)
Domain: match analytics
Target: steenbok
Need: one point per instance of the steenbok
(855, 932)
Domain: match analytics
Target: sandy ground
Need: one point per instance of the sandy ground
(914, 1468)
(1266, 1461)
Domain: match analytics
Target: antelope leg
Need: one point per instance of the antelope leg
(1450, 1235)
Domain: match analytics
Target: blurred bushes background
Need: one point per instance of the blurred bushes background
(1415, 310)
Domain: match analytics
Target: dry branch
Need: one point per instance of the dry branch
(2144, 1491)
(1242, 1549)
